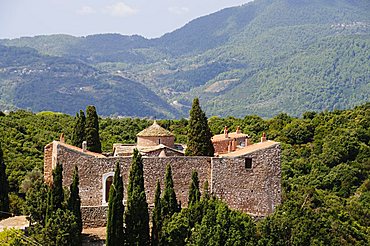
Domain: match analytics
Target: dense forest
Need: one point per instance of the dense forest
(325, 175)
(250, 59)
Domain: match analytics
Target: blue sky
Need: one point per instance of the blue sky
(20, 18)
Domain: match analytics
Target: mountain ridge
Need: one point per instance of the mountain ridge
(239, 60)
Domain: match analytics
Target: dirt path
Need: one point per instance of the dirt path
(17, 222)
(94, 236)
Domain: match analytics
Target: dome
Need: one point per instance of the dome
(155, 130)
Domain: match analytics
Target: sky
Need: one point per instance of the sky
(149, 18)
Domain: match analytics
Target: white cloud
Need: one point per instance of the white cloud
(119, 9)
(86, 10)
(178, 10)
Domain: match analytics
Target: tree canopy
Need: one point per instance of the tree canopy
(199, 135)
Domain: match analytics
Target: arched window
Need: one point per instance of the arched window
(107, 182)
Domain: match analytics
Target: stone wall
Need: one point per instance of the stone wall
(91, 170)
(94, 216)
(254, 190)
(48, 166)
(153, 141)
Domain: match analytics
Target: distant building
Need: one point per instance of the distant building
(246, 176)
(228, 142)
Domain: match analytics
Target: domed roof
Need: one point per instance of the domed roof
(155, 130)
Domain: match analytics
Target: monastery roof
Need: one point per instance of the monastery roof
(250, 148)
(221, 137)
(125, 149)
(81, 150)
(155, 130)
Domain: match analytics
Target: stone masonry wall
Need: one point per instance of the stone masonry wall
(256, 190)
(48, 166)
(91, 170)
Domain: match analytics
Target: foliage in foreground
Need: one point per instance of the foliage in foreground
(325, 173)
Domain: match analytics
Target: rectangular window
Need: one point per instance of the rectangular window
(248, 163)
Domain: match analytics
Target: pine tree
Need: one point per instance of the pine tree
(4, 197)
(74, 202)
(115, 234)
(79, 129)
(156, 216)
(199, 134)
(194, 193)
(92, 130)
(137, 216)
(169, 202)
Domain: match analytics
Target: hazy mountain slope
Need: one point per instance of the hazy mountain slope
(264, 57)
(32, 81)
(312, 36)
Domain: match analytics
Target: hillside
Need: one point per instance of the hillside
(264, 57)
(325, 163)
(36, 82)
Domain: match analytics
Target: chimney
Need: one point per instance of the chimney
(263, 138)
(84, 146)
(226, 132)
(238, 131)
(61, 138)
(233, 145)
(248, 141)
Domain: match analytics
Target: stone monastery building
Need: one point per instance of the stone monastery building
(246, 176)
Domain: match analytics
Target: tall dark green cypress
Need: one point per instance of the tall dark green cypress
(57, 187)
(156, 216)
(115, 234)
(194, 193)
(137, 215)
(92, 130)
(4, 187)
(55, 196)
(49, 205)
(74, 203)
(199, 134)
(169, 202)
(79, 129)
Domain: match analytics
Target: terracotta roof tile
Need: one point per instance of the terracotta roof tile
(154, 130)
(250, 148)
(221, 137)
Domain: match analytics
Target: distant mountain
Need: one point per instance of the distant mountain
(264, 57)
(36, 82)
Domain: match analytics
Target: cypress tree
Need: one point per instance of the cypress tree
(194, 193)
(79, 129)
(199, 134)
(169, 202)
(115, 234)
(92, 130)
(57, 191)
(137, 216)
(74, 203)
(4, 188)
(49, 206)
(55, 196)
(156, 216)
